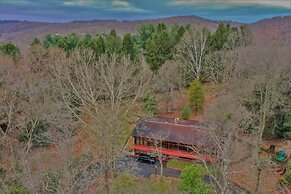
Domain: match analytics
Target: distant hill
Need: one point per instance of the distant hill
(22, 32)
(274, 29)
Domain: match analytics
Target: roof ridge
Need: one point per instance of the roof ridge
(176, 124)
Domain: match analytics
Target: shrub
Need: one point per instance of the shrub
(19, 190)
(192, 180)
(2, 82)
(196, 96)
(51, 181)
(124, 183)
(40, 135)
(9, 49)
(287, 177)
(2, 171)
(287, 135)
(150, 104)
(186, 112)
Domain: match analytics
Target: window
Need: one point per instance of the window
(174, 146)
(165, 144)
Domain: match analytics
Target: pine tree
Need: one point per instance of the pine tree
(98, 45)
(196, 96)
(128, 46)
(158, 49)
(113, 43)
(145, 32)
(150, 104)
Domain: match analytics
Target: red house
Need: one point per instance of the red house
(174, 138)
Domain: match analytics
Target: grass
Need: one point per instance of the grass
(178, 164)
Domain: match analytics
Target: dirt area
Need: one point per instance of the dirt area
(180, 99)
(243, 170)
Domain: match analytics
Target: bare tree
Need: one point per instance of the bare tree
(100, 94)
(223, 141)
(263, 75)
(167, 80)
(157, 139)
(191, 51)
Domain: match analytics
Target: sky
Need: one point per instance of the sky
(245, 11)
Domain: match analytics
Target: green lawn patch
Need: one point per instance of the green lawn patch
(178, 164)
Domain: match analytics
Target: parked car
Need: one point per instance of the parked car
(146, 159)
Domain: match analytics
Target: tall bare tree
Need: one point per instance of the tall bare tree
(167, 80)
(263, 75)
(100, 93)
(191, 51)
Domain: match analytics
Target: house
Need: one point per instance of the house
(174, 138)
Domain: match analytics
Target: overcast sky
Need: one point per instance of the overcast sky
(69, 10)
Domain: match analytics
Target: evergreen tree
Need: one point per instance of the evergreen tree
(145, 32)
(113, 43)
(98, 45)
(150, 104)
(220, 37)
(35, 41)
(70, 42)
(47, 41)
(128, 46)
(161, 27)
(10, 49)
(196, 96)
(158, 49)
(86, 42)
(177, 32)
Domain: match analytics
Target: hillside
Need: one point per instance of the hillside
(277, 29)
(23, 32)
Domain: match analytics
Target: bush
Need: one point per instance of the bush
(196, 96)
(2, 171)
(287, 176)
(40, 134)
(287, 135)
(192, 181)
(51, 181)
(186, 112)
(124, 183)
(150, 105)
(19, 190)
(9, 49)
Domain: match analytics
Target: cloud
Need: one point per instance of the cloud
(116, 5)
(85, 3)
(15, 2)
(277, 3)
(120, 3)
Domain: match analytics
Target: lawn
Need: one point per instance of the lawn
(178, 164)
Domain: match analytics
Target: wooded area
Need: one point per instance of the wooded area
(63, 87)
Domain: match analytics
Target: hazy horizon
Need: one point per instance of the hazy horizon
(245, 11)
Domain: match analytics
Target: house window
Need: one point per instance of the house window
(165, 144)
(174, 146)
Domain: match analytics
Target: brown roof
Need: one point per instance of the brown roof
(186, 132)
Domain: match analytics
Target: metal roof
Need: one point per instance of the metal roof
(183, 131)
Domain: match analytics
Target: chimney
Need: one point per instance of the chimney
(177, 120)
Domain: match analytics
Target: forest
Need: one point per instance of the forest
(69, 91)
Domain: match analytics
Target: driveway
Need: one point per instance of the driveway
(146, 170)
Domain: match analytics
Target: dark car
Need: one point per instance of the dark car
(146, 159)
